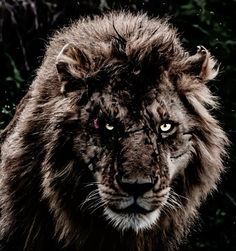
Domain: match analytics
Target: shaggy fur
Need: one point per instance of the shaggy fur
(114, 147)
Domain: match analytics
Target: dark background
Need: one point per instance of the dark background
(25, 26)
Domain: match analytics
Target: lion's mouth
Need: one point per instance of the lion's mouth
(132, 217)
(130, 212)
(132, 209)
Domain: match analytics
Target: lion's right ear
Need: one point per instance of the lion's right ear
(202, 64)
(72, 66)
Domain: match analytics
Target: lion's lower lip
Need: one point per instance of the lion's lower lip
(132, 209)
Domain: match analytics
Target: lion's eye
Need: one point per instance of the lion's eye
(166, 127)
(109, 127)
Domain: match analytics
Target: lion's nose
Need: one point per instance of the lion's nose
(135, 186)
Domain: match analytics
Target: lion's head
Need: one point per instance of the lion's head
(121, 116)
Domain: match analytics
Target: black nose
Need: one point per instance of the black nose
(135, 186)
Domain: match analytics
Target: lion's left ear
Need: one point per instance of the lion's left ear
(202, 64)
(72, 66)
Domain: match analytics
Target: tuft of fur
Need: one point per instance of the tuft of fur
(94, 113)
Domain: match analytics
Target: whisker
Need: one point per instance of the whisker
(173, 203)
(178, 195)
(91, 196)
(92, 184)
(97, 206)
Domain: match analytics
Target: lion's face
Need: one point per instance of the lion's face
(135, 145)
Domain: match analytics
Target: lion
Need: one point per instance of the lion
(114, 147)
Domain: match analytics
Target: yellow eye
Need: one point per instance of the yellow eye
(109, 127)
(166, 127)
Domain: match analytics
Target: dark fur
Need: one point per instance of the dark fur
(130, 71)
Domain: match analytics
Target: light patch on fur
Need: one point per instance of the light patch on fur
(178, 163)
(137, 222)
(62, 219)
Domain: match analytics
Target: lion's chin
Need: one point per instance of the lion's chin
(135, 221)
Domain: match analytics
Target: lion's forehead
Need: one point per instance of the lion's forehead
(125, 106)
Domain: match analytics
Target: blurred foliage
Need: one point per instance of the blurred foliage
(26, 24)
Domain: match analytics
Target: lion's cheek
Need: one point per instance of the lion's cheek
(177, 164)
